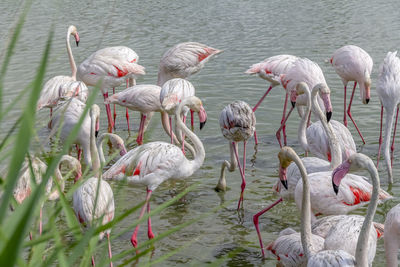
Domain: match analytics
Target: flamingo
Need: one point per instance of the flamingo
(388, 89)
(314, 138)
(352, 63)
(237, 122)
(63, 86)
(271, 69)
(110, 67)
(23, 187)
(92, 201)
(392, 244)
(67, 115)
(154, 162)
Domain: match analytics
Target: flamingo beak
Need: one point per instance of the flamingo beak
(328, 116)
(338, 174)
(202, 117)
(327, 104)
(78, 175)
(282, 176)
(122, 150)
(77, 39)
(97, 129)
(293, 97)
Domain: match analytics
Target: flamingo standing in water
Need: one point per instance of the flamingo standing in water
(271, 70)
(110, 66)
(23, 187)
(154, 162)
(63, 86)
(237, 122)
(392, 231)
(388, 89)
(67, 115)
(92, 201)
(352, 63)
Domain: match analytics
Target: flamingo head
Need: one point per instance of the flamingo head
(197, 106)
(117, 143)
(74, 165)
(301, 90)
(73, 31)
(365, 92)
(325, 94)
(95, 114)
(284, 162)
(293, 98)
(354, 162)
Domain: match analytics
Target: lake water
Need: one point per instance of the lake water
(248, 32)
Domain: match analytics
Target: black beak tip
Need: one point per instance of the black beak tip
(335, 188)
(77, 43)
(367, 100)
(285, 184)
(328, 116)
(96, 133)
(293, 104)
(202, 124)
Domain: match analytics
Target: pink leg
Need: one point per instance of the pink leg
(93, 264)
(191, 120)
(170, 130)
(255, 137)
(134, 235)
(283, 126)
(149, 231)
(115, 113)
(278, 135)
(40, 221)
(255, 221)
(139, 139)
(262, 98)
(109, 249)
(51, 116)
(345, 107)
(380, 139)
(349, 112)
(78, 152)
(243, 186)
(183, 136)
(109, 117)
(394, 135)
(127, 120)
(30, 236)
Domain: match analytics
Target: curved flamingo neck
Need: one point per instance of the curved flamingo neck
(99, 146)
(70, 56)
(302, 131)
(336, 152)
(362, 243)
(199, 154)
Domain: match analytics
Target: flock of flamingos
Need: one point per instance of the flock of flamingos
(319, 185)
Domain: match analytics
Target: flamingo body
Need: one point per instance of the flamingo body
(392, 231)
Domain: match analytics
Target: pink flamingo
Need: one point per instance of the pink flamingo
(146, 99)
(237, 122)
(392, 242)
(314, 138)
(67, 115)
(352, 63)
(271, 70)
(154, 162)
(63, 86)
(388, 89)
(92, 201)
(23, 187)
(110, 66)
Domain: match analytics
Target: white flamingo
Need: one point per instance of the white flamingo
(23, 187)
(63, 86)
(67, 115)
(391, 237)
(154, 162)
(271, 69)
(92, 201)
(314, 138)
(237, 122)
(110, 67)
(184, 60)
(388, 89)
(352, 63)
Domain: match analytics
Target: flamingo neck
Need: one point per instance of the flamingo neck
(100, 141)
(199, 153)
(388, 131)
(93, 148)
(336, 152)
(302, 131)
(70, 56)
(362, 248)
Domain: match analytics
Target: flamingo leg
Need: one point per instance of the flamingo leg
(115, 113)
(134, 235)
(109, 249)
(109, 117)
(262, 98)
(380, 139)
(93, 264)
(278, 135)
(191, 120)
(170, 129)
(394, 135)
(51, 113)
(349, 112)
(255, 137)
(127, 120)
(283, 126)
(345, 106)
(149, 231)
(183, 136)
(139, 139)
(243, 186)
(78, 152)
(255, 221)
